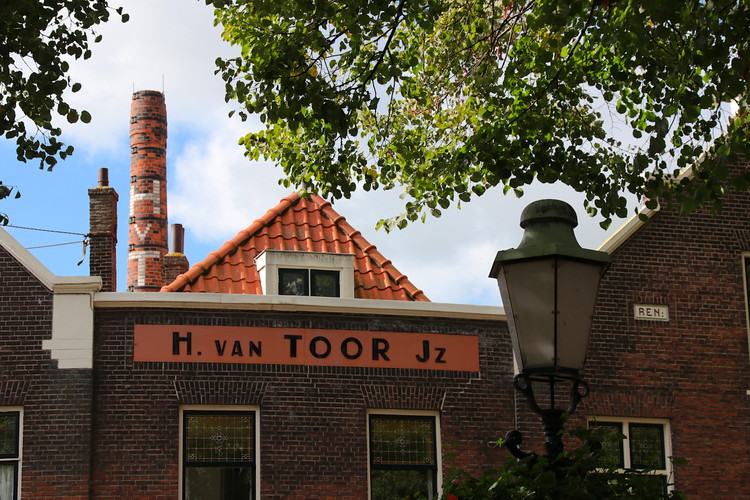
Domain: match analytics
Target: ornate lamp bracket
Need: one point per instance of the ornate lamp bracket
(553, 419)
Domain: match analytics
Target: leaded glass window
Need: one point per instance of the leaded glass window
(611, 441)
(10, 453)
(637, 445)
(218, 455)
(403, 457)
(647, 446)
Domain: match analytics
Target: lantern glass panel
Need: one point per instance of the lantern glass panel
(577, 285)
(549, 304)
(528, 297)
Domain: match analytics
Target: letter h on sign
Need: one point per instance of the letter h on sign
(176, 340)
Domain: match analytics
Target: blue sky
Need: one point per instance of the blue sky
(213, 191)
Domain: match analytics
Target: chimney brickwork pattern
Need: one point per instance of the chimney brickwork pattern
(103, 234)
(148, 227)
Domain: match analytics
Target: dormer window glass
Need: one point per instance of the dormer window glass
(309, 282)
(306, 274)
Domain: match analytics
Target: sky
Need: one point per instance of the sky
(213, 191)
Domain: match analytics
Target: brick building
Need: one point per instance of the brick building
(297, 362)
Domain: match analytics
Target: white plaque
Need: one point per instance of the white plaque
(651, 312)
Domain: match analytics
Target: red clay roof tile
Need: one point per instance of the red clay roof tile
(299, 224)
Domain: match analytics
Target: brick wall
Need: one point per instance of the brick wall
(56, 403)
(694, 369)
(312, 419)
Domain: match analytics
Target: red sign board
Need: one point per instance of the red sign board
(305, 346)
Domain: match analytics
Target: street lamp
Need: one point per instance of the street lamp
(548, 286)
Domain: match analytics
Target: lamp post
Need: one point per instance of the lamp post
(548, 286)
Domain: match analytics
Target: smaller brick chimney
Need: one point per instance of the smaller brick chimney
(175, 262)
(103, 232)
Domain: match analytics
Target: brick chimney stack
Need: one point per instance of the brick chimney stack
(148, 231)
(103, 232)
(175, 262)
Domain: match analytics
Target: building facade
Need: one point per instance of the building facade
(296, 362)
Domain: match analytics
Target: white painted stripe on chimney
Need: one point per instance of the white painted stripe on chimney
(142, 256)
(154, 197)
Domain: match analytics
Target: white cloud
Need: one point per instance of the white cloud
(215, 191)
(168, 45)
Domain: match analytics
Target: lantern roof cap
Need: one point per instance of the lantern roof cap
(548, 232)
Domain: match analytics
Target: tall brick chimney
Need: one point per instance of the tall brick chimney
(148, 227)
(103, 232)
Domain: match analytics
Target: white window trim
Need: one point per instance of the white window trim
(226, 408)
(268, 263)
(438, 442)
(668, 472)
(19, 409)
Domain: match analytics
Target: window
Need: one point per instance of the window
(403, 456)
(312, 282)
(646, 445)
(317, 274)
(218, 455)
(10, 453)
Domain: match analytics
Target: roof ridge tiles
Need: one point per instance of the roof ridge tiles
(300, 222)
(201, 267)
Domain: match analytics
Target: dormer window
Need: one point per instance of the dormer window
(313, 282)
(311, 274)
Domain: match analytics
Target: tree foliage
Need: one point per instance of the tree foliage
(585, 473)
(448, 98)
(38, 38)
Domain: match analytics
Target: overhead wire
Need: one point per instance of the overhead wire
(85, 240)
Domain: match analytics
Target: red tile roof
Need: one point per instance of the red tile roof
(296, 224)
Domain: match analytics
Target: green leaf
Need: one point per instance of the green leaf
(454, 98)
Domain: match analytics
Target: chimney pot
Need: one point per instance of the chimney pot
(177, 239)
(103, 177)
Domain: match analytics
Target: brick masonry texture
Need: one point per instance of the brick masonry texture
(113, 432)
(694, 369)
(56, 403)
(313, 423)
(174, 264)
(103, 236)
(148, 226)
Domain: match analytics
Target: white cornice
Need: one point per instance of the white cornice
(628, 229)
(230, 301)
(633, 224)
(72, 339)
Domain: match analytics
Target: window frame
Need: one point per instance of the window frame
(310, 276)
(269, 261)
(625, 424)
(15, 459)
(438, 469)
(219, 409)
